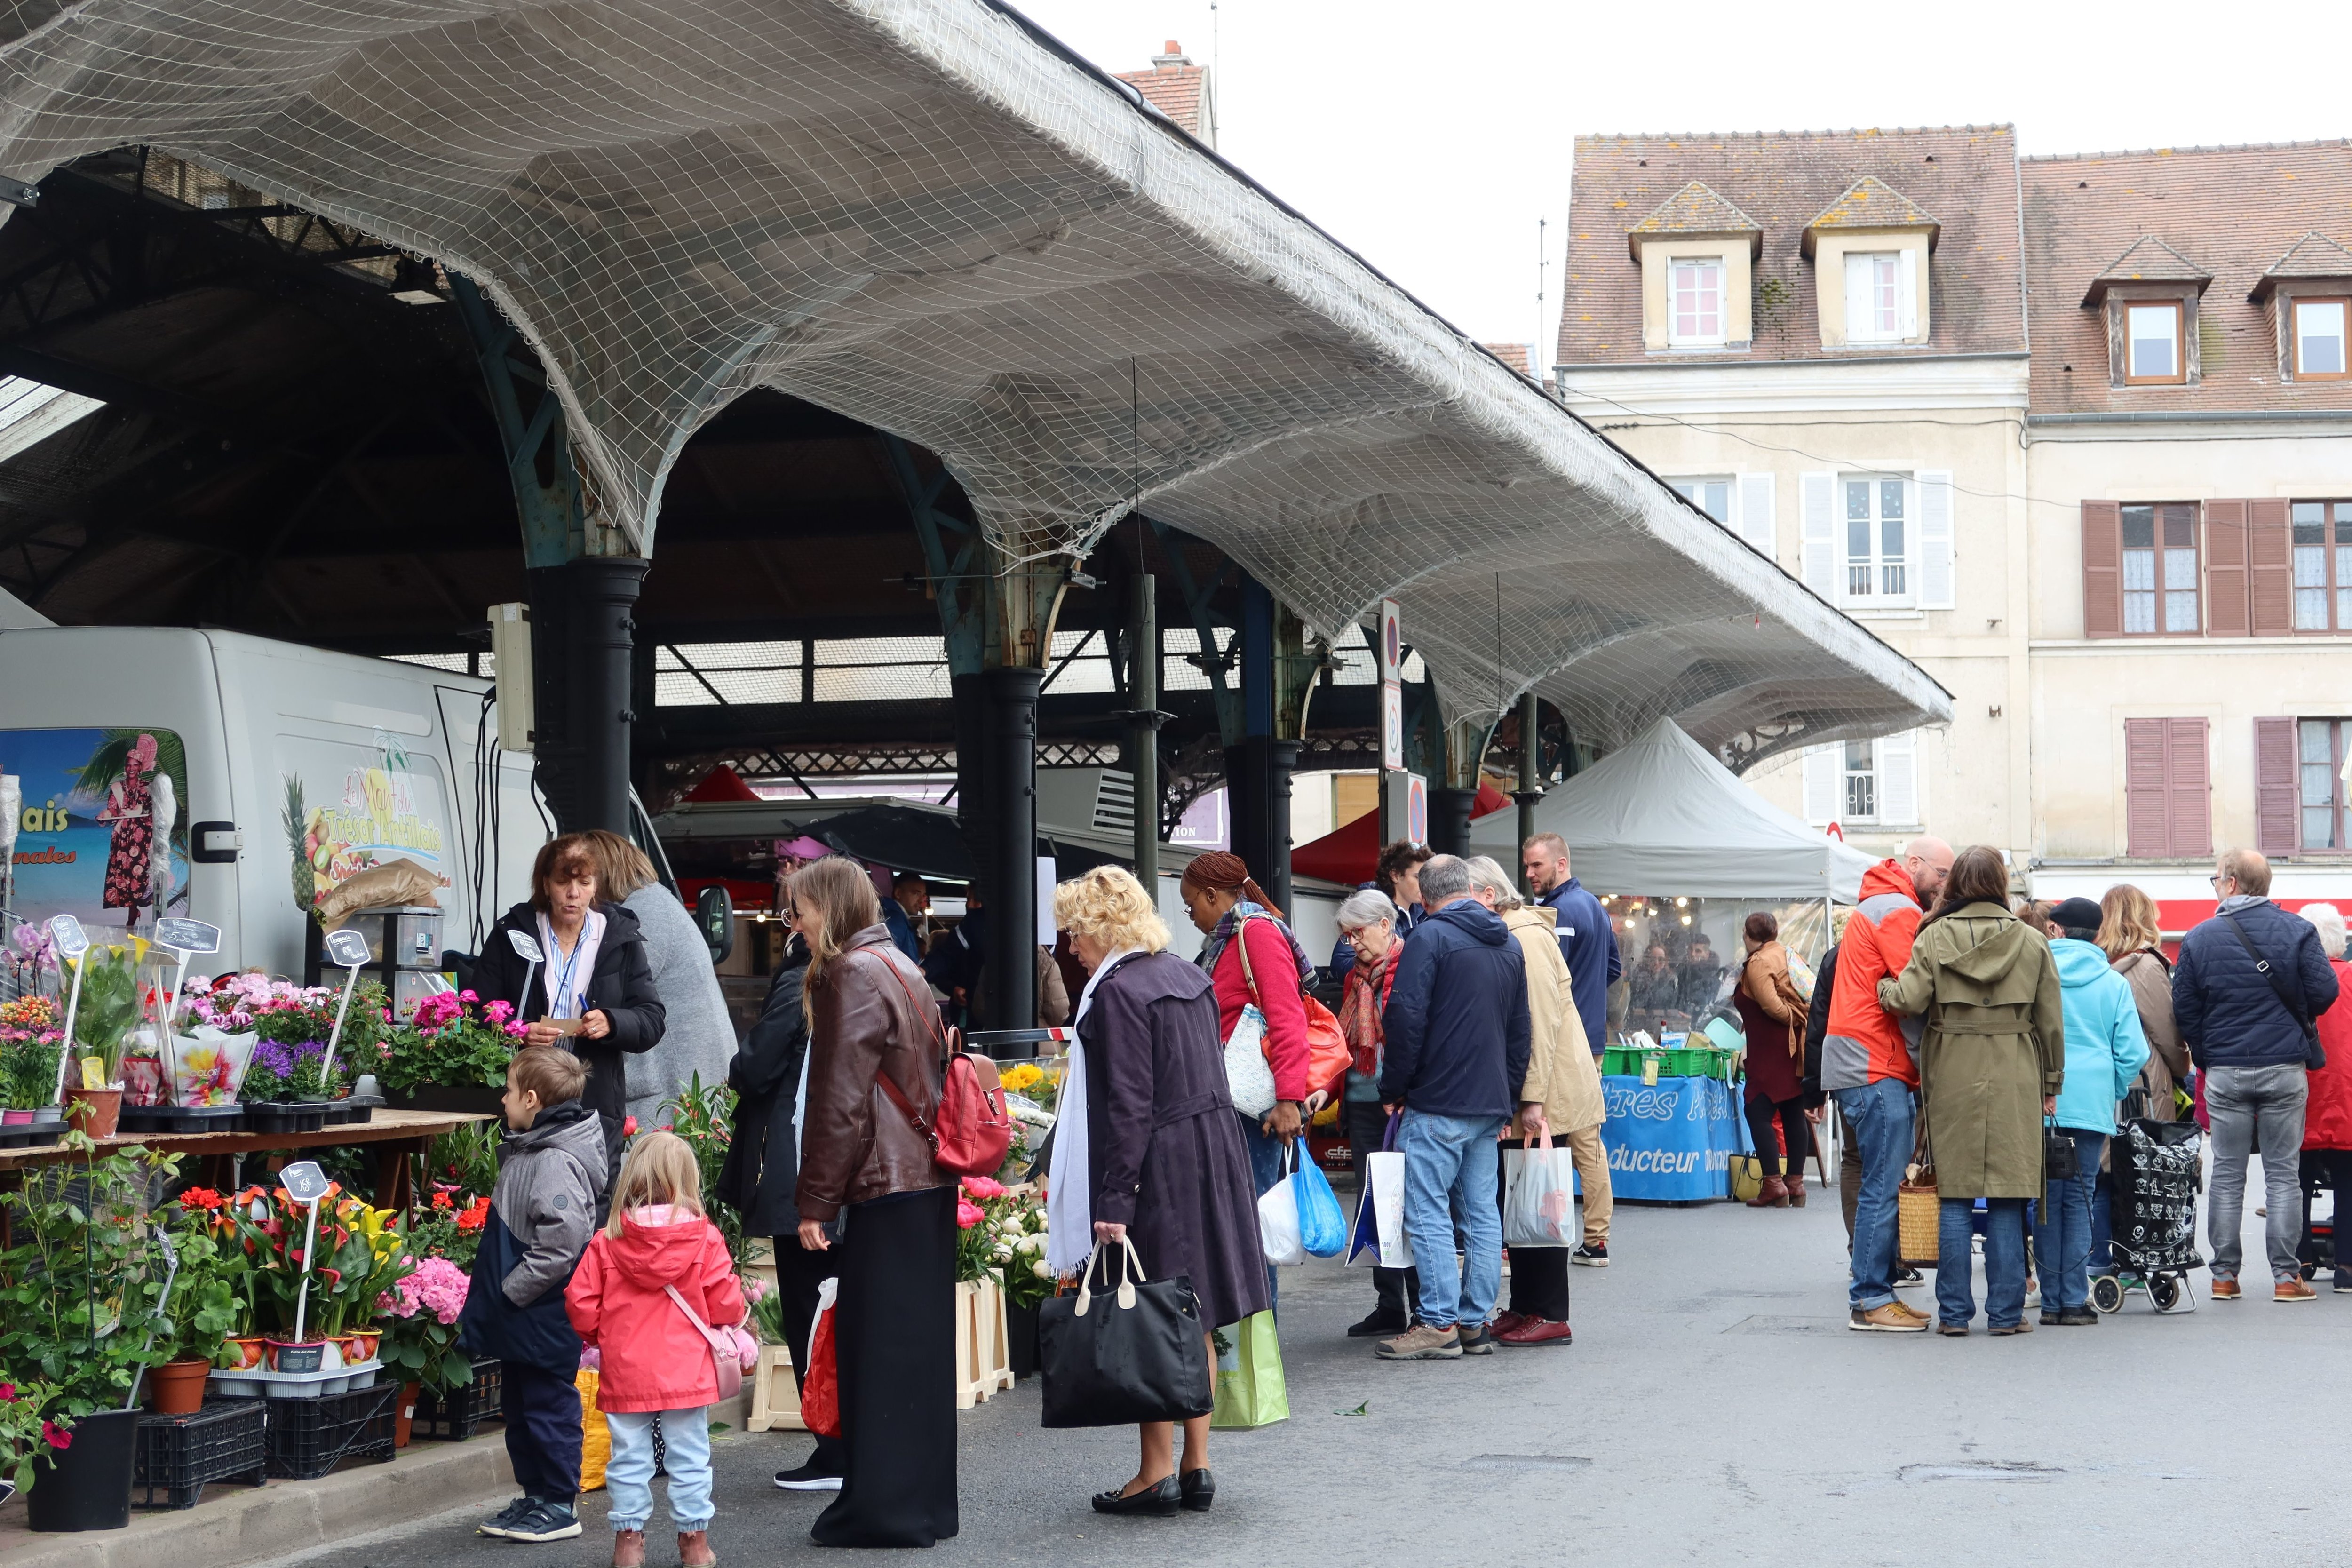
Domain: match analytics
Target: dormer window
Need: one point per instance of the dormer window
(1875, 297)
(2319, 339)
(2152, 344)
(1870, 250)
(1697, 295)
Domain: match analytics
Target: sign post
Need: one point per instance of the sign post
(306, 1184)
(350, 949)
(72, 942)
(1398, 817)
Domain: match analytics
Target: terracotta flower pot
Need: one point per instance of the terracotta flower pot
(177, 1387)
(248, 1351)
(404, 1412)
(94, 1110)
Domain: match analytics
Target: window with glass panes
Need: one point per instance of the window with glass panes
(1861, 782)
(2319, 773)
(2160, 570)
(2152, 344)
(1697, 303)
(1712, 497)
(1877, 541)
(2319, 339)
(2323, 565)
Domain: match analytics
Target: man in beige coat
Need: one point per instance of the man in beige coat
(1563, 1087)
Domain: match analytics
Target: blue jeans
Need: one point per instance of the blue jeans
(2103, 1225)
(629, 1474)
(1265, 1157)
(1450, 1169)
(1880, 1119)
(1956, 1300)
(2062, 1234)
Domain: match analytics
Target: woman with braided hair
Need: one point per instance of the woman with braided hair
(1227, 904)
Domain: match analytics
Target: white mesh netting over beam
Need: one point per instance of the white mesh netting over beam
(921, 214)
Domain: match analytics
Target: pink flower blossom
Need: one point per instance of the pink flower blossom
(56, 1436)
(756, 1290)
(983, 1186)
(437, 1286)
(498, 1012)
(968, 1215)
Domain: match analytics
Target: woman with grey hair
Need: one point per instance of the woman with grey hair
(2327, 1113)
(1368, 922)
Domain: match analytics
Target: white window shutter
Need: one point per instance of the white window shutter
(1820, 562)
(1935, 514)
(1857, 298)
(1908, 272)
(1898, 780)
(1824, 780)
(1756, 497)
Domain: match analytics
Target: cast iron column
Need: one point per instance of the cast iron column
(1530, 788)
(602, 630)
(1449, 820)
(1143, 721)
(1012, 738)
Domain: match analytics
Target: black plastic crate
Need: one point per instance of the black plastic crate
(452, 1418)
(308, 1437)
(178, 1455)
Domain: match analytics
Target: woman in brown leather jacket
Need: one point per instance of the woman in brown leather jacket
(864, 1163)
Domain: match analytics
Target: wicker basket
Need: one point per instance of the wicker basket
(1920, 1217)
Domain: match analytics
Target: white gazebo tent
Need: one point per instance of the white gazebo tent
(1660, 814)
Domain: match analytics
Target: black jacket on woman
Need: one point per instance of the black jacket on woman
(763, 1162)
(622, 985)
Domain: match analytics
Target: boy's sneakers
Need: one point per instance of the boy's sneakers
(544, 1521)
(506, 1518)
(1592, 1254)
(807, 1478)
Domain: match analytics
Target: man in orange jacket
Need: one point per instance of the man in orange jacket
(1867, 1062)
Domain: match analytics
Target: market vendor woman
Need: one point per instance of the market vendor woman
(594, 994)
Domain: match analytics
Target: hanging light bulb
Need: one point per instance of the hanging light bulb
(1686, 919)
(1682, 903)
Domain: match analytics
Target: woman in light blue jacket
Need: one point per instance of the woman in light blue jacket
(2106, 1048)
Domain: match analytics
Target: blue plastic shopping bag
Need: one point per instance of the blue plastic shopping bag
(1322, 1228)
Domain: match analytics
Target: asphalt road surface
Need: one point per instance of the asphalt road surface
(1713, 1409)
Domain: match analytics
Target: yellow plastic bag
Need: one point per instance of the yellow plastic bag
(595, 1437)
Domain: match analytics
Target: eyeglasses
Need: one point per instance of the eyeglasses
(2216, 881)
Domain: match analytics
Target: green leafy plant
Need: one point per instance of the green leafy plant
(25, 1433)
(704, 1118)
(204, 1307)
(80, 1287)
(293, 815)
(109, 1007)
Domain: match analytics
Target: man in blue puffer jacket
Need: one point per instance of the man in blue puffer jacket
(2106, 1048)
(2253, 1050)
(1455, 1058)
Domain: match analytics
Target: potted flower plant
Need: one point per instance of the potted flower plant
(198, 1315)
(451, 1055)
(108, 1009)
(31, 1040)
(240, 1345)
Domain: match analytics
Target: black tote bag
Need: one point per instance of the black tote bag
(1133, 1354)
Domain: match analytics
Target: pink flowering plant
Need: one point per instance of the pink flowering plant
(1000, 1235)
(456, 1040)
(419, 1315)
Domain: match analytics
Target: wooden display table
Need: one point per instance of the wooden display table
(404, 1133)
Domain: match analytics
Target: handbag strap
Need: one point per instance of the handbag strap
(940, 1037)
(710, 1335)
(2293, 1004)
(1130, 1266)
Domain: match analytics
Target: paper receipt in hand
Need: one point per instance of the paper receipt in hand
(563, 1026)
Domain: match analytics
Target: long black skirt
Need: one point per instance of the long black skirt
(894, 1343)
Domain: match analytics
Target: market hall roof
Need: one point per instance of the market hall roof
(925, 215)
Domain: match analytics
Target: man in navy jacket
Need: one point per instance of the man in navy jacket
(1588, 941)
(1455, 1060)
(2253, 1051)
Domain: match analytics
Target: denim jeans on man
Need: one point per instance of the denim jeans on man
(629, 1473)
(1878, 1116)
(2004, 1253)
(1450, 1169)
(2063, 1228)
(2256, 1108)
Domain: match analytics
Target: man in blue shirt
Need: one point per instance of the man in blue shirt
(1588, 943)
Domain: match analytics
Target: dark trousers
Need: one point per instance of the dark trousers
(1395, 1290)
(2332, 1169)
(1538, 1274)
(543, 1415)
(1794, 1127)
(799, 1274)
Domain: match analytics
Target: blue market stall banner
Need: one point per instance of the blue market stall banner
(1672, 1142)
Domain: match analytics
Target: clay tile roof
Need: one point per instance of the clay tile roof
(1871, 203)
(1512, 354)
(2148, 260)
(2313, 255)
(1692, 212)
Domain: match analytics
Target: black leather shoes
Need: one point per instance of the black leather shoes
(1200, 1489)
(1160, 1498)
(1379, 1325)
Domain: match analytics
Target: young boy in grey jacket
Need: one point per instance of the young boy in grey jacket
(543, 1212)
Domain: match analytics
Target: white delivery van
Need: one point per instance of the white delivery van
(235, 779)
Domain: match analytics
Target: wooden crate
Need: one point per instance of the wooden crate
(984, 1345)
(775, 1397)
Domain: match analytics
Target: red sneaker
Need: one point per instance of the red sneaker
(1508, 1322)
(1537, 1332)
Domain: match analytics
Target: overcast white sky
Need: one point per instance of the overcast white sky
(1431, 136)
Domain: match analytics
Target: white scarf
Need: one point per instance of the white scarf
(1069, 1183)
(567, 981)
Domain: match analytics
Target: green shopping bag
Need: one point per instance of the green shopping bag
(1250, 1390)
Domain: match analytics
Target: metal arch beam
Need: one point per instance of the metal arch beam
(553, 511)
(961, 597)
(1231, 721)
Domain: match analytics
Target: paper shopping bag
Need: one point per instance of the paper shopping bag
(1250, 1387)
(1384, 1174)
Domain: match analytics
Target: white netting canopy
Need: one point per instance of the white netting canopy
(923, 214)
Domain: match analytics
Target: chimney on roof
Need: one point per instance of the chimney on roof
(1171, 57)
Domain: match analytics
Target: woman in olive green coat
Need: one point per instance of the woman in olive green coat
(1991, 1060)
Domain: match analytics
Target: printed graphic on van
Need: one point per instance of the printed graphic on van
(102, 825)
(348, 808)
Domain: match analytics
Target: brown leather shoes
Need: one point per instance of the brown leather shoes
(694, 1550)
(1536, 1331)
(1773, 1195)
(2292, 1289)
(2226, 1290)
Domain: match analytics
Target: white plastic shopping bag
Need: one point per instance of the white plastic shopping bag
(1278, 1225)
(1539, 1201)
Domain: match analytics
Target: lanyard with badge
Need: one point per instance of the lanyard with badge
(560, 1001)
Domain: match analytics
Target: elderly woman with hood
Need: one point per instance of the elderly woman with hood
(1561, 1095)
(1992, 1058)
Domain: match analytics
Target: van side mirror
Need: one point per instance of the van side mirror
(714, 911)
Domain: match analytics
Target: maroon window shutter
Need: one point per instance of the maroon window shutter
(2225, 568)
(2270, 575)
(2276, 818)
(2101, 570)
(2145, 835)
(2103, 577)
(2188, 797)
